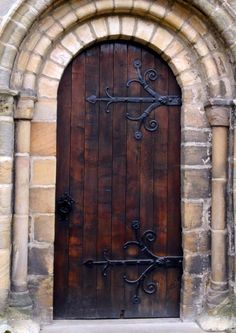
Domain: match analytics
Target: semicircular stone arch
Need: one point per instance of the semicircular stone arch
(190, 47)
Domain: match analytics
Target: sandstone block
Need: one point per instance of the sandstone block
(84, 33)
(43, 139)
(194, 116)
(197, 136)
(197, 264)
(42, 200)
(29, 81)
(100, 27)
(42, 45)
(54, 31)
(161, 39)
(23, 60)
(181, 62)
(53, 70)
(5, 200)
(6, 170)
(209, 66)
(192, 214)
(144, 30)
(6, 138)
(68, 19)
(5, 268)
(41, 289)
(5, 232)
(43, 172)
(61, 56)
(190, 78)
(114, 26)
(197, 241)
(173, 48)
(192, 155)
(45, 109)
(48, 87)
(198, 25)
(141, 5)
(189, 32)
(44, 228)
(177, 16)
(120, 5)
(105, 6)
(127, 26)
(40, 261)
(34, 63)
(158, 9)
(71, 43)
(196, 183)
(85, 9)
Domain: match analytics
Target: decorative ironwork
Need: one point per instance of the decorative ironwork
(155, 100)
(153, 262)
(64, 206)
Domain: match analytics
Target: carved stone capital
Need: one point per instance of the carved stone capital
(218, 111)
(25, 105)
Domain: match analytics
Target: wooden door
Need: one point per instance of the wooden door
(118, 229)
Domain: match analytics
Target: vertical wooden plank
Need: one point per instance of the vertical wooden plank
(160, 188)
(90, 182)
(132, 181)
(77, 188)
(104, 308)
(119, 177)
(146, 183)
(174, 218)
(63, 160)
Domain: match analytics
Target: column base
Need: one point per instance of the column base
(20, 300)
(219, 318)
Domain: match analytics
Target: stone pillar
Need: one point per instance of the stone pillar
(218, 113)
(6, 163)
(218, 315)
(19, 286)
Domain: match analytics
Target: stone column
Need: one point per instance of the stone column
(218, 111)
(19, 286)
(6, 163)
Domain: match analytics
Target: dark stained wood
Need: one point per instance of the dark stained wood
(62, 232)
(115, 179)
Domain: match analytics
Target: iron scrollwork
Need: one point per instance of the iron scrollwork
(151, 262)
(64, 206)
(155, 100)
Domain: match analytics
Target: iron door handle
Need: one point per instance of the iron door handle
(64, 206)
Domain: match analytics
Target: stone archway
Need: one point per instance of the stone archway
(180, 34)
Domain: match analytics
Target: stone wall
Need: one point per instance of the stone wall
(36, 46)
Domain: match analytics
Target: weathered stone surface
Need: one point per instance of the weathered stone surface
(41, 289)
(192, 155)
(44, 228)
(6, 138)
(42, 200)
(5, 232)
(196, 183)
(43, 171)
(6, 105)
(197, 241)
(6, 170)
(40, 261)
(203, 136)
(5, 200)
(197, 264)
(192, 214)
(43, 139)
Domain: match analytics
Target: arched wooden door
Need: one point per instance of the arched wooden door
(118, 250)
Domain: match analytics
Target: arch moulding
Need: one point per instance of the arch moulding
(186, 41)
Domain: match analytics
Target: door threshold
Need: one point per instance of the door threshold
(162, 325)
